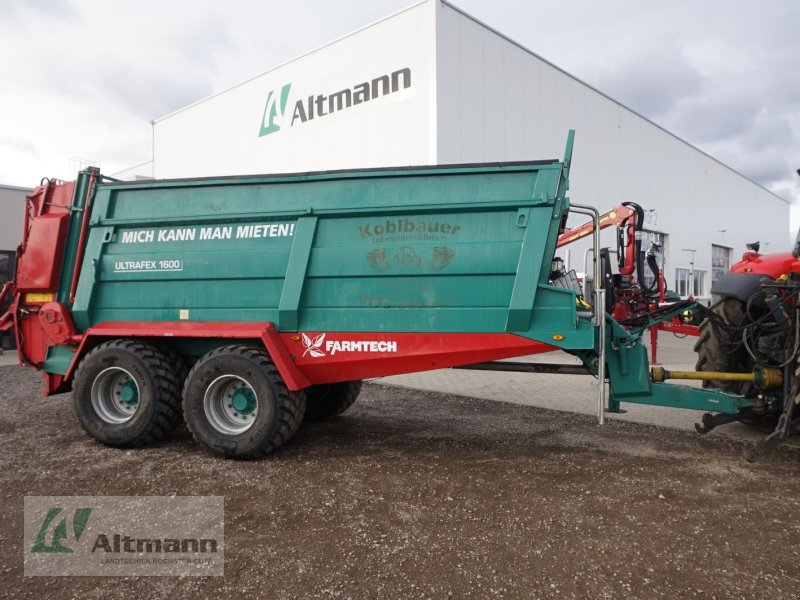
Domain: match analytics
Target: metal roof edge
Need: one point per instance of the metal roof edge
(15, 188)
(141, 164)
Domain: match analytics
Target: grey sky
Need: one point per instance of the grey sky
(82, 78)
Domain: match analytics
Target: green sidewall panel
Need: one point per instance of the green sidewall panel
(464, 249)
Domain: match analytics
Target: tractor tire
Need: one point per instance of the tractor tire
(236, 404)
(717, 351)
(327, 401)
(125, 393)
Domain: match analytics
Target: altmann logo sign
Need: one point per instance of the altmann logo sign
(274, 111)
(316, 106)
(124, 535)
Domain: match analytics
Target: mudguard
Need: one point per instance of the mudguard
(741, 286)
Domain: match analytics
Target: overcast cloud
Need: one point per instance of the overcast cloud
(82, 78)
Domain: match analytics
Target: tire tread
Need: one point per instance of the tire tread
(717, 351)
(167, 402)
(290, 406)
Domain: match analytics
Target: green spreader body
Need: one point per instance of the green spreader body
(437, 250)
(340, 275)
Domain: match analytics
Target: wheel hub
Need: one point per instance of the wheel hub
(244, 400)
(230, 405)
(129, 393)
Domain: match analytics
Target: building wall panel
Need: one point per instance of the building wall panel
(475, 97)
(223, 134)
(527, 107)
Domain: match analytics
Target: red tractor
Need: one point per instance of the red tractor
(756, 324)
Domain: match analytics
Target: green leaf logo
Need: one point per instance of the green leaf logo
(59, 530)
(274, 111)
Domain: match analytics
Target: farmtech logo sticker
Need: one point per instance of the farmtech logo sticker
(123, 535)
(313, 345)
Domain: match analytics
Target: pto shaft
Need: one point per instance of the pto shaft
(761, 377)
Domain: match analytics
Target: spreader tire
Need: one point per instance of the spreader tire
(180, 367)
(236, 404)
(717, 351)
(326, 401)
(176, 362)
(126, 393)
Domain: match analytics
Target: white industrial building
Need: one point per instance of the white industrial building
(431, 85)
(12, 209)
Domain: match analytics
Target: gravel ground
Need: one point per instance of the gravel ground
(413, 494)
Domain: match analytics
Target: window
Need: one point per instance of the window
(6, 266)
(720, 262)
(699, 279)
(682, 282)
(6, 274)
(685, 287)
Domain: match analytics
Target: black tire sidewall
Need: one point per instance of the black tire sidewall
(248, 442)
(326, 401)
(121, 434)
